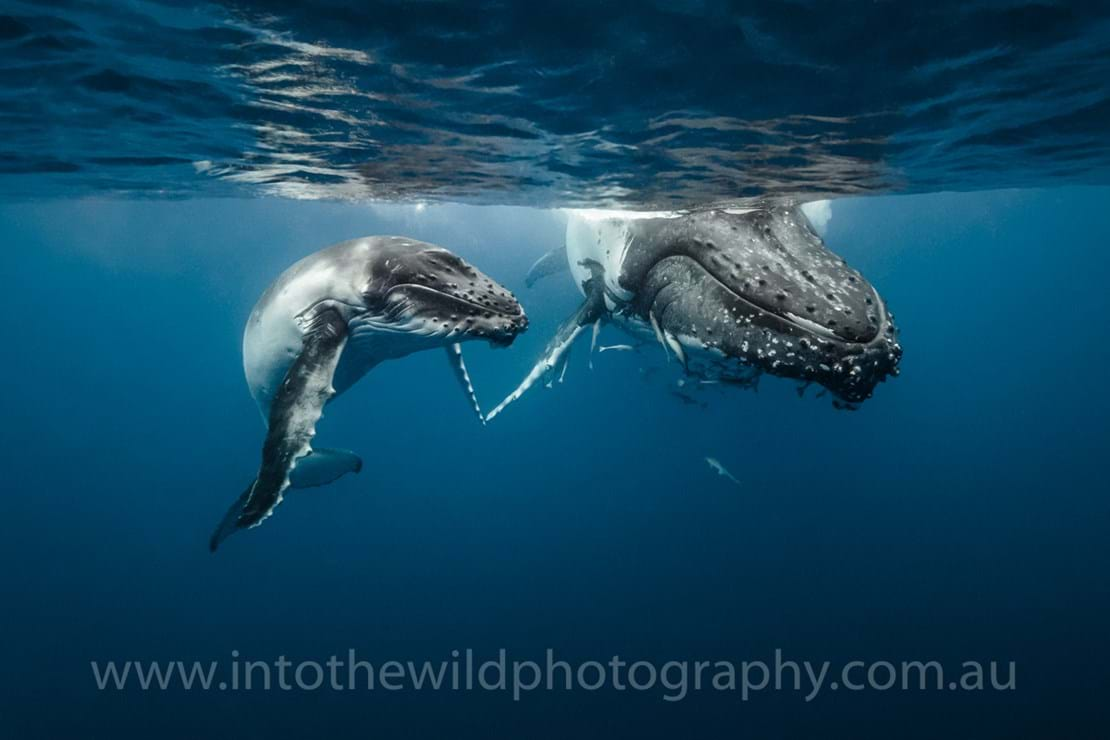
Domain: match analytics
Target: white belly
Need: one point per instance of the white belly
(271, 342)
(603, 236)
(273, 337)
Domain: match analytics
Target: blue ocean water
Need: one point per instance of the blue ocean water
(959, 515)
(162, 162)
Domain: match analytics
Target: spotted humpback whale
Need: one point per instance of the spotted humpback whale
(328, 320)
(731, 294)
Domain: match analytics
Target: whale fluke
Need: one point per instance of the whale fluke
(323, 466)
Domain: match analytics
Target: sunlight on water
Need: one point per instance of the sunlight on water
(552, 104)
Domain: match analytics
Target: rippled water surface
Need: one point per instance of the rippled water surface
(636, 104)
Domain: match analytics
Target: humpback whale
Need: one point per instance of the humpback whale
(328, 320)
(729, 294)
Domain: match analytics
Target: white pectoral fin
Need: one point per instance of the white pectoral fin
(547, 363)
(455, 359)
(294, 411)
(589, 313)
(551, 263)
(593, 341)
(323, 466)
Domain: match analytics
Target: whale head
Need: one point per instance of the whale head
(433, 296)
(741, 293)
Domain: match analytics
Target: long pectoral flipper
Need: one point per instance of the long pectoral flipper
(229, 525)
(590, 312)
(294, 411)
(454, 356)
(551, 263)
(319, 468)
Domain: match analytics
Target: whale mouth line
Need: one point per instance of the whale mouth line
(476, 307)
(470, 318)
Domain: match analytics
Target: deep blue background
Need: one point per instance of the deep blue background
(960, 515)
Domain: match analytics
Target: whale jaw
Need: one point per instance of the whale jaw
(758, 292)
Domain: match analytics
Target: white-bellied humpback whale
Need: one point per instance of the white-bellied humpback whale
(330, 318)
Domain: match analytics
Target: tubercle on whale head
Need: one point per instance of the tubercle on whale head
(759, 289)
(433, 292)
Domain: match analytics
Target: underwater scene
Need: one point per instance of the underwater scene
(438, 369)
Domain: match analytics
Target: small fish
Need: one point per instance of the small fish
(659, 335)
(721, 469)
(616, 348)
(676, 347)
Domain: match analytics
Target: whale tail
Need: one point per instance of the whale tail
(318, 468)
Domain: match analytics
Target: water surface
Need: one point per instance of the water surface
(645, 104)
